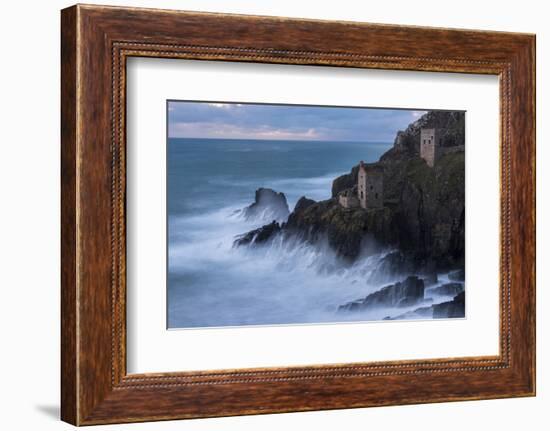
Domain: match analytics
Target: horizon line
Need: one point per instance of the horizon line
(282, 140)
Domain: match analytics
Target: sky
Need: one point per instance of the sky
(285, 122)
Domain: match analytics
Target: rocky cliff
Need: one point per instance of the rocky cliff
(423, 212)
(423, 216)
(407, 142)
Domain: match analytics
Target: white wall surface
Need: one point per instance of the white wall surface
(29, 215)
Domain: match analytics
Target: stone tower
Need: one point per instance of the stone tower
(431, 141)
(370, 186)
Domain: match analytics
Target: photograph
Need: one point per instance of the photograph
(275, 215)
(283, 214)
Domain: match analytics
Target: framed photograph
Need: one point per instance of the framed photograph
(292, 225)
(263, 215)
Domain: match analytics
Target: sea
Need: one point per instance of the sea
(211, 283)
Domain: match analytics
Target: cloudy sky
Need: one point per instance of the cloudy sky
(253, 121)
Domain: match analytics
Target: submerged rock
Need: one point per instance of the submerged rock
(258, 236)
(268, 205)
(401, 294)
(449, 289)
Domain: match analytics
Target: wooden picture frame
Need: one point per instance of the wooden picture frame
(96, 41)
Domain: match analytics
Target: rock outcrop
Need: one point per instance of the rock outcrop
(258, 236)
(445, 310)
(450, 309)
(303, 204)
(447, 289)
(430, 279)
(391, 266)
(268, 205)
(346, 231)
(401, 294)
(457, 275)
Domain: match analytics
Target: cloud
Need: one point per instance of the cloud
(229, 131)
(223, 105)
(262, 121)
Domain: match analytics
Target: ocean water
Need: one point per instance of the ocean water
(213, 284)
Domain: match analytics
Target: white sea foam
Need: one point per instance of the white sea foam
(285, 281)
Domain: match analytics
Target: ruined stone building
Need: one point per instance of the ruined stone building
(370, 185)
(348, 198)
(432, 145)
(431, 141)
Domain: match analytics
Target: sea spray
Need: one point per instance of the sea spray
(210, 283)
(285, 281)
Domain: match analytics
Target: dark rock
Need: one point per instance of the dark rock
(406, 293)
(258, 236)
(449, 289)
(351, 306)
(402, 294)
(428, 215)
(423, 214)
(450, 309)
(445, 310)
(428, 219)
(268, 205)
(430, 279)
(346, 230)
(302, 204)
(458, 275)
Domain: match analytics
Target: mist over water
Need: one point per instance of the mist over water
(211, 283)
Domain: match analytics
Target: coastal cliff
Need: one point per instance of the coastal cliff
(423, 212)
(407, 142)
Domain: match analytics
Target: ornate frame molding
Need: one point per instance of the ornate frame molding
(96, 41)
